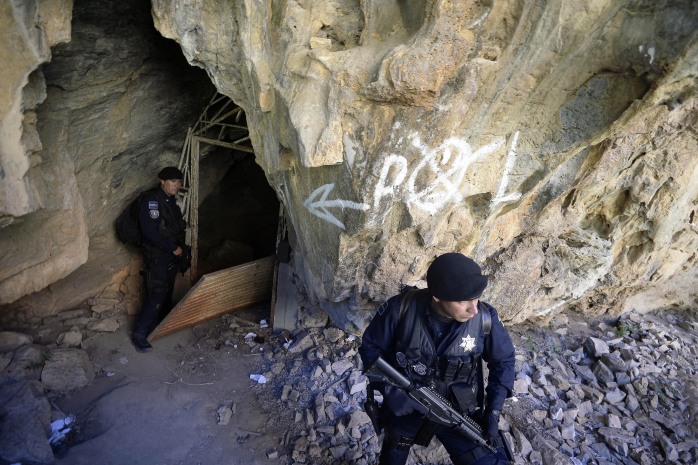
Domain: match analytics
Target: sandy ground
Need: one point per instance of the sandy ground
(161, 407)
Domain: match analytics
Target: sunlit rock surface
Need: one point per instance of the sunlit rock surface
(42, 216)
(91, 126)
(552, 141)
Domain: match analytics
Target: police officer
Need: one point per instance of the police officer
(439, 337)
(163, 231)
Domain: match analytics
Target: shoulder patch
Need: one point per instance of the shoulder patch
(153, 204)
(383, 308)
(154, 214)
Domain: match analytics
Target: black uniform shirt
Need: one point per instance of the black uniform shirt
(497, 349)
(150, 215)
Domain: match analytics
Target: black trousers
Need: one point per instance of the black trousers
(400, 432)
(160, 274)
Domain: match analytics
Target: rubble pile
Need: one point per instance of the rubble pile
(603, 394)
(622, 393)
(587, 392)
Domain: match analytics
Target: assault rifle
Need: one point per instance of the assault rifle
(438, 409)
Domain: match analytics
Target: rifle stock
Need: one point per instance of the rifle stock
(438, 409)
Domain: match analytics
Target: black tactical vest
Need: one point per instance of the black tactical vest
(455, 373)
(172, 224)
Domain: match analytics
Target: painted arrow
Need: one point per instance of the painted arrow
(318, 206)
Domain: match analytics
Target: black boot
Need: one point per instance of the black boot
(141, 344)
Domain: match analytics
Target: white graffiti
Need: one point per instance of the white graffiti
(383, 188)
(318, 207)
(511, 159)
(445, 167)
(436, 180)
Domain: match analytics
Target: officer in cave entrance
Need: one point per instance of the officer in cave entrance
(163, 241)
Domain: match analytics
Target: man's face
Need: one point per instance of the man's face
(460, 311)
(171, 186)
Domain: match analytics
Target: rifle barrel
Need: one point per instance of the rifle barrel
(438, 409)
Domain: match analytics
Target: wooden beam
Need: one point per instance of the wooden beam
(194, 211)
(227, 125)
(242, 148)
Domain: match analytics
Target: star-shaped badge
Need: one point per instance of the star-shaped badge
(468, 343)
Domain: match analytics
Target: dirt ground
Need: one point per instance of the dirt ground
(161, 407)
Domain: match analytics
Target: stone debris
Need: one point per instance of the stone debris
(594, 394)
(614, 393)
(225, 413)
(67, 370)
(26, 418)
(72, 338)
(12, 340)
(51, 360)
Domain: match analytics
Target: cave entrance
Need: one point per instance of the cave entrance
(233, 218)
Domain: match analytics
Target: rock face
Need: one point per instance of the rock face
(44, 234)
(116, 101)
(548, 140)
(552, 141)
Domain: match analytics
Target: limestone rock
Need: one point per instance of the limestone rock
(73, 154)
(5, 360)
(25, 425)
(67, 369)
(27, 363)
(11, 340)
(70, 339)
(341, 366)
(405, 103)
(549, 454)
(225, 413)
(595, 347)
(108, 325)
(549, 140)
(302, 342)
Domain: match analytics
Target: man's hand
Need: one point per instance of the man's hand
(185, 259)
(490, 427)
(400, 403)
(178, 251)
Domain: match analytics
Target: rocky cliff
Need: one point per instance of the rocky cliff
(552, 141)
(86, 125)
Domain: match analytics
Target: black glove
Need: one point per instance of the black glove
(490, 426)
(400, 403)
(185, 259)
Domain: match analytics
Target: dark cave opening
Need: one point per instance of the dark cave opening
(238, 218)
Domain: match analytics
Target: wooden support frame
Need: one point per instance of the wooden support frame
(221, 118)
(226, 290)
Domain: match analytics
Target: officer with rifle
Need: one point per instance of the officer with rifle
(423, 351)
